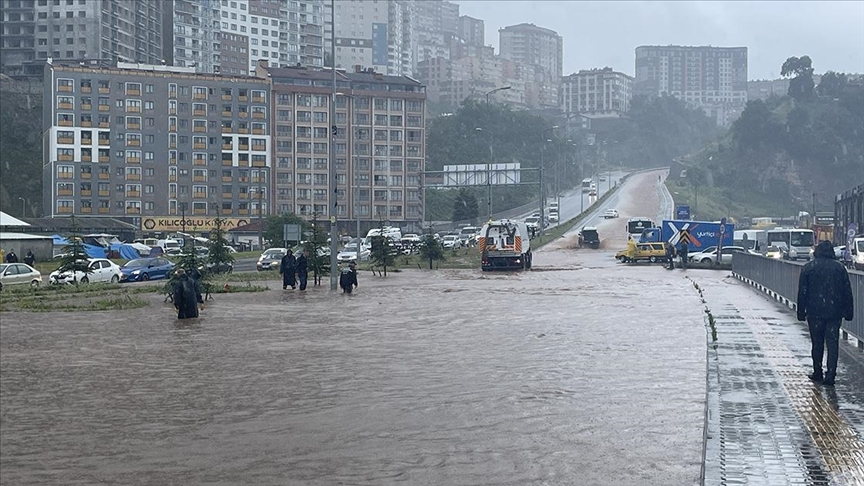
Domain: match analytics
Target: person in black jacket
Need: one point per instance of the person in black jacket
(348, 278)
(186, 298)
(303, 269)
(11, 257)
(30, 258)
(287, 268)
(824, 298)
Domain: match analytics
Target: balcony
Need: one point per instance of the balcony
(242, 98)
(258, 131)
(199, 129)
(256, 180)
(243, 195)
(226, 97)
(199, 195)
(64, 106)
(66, 140)
(199, 161)
(227, 163)
(86, 123)
(172, 144)
(64, 192)
(242, 130)
(65, 123)
(104, 141)
(86, 210)
(86, 89)
(131, 210)
(104, 108)
(104, 175)
(104, 210)
(64, 158)
(104, 125)
(199, 96)
(258, 99)
(243, 146)
(86, 192)
(227, 146)
(133, 109)
(242, 163)
(86, 106)
(133, 92)
(86, 158)
(133, 143)
(227, 195)
(133, 177)
(172, 161)
(104, 90)
(87, 141)
(226, 212)
(133, 193)
(64, 209)
(133, 126)
(199, 211)
(199, 112)
(226, 113)
(86, 175)
(259, 163)
(104, 193)
(259, 148)
(172, 111)
(172, 128)
(227, 179)
(133, 160)
(226, 129)
(172, 93)
(243, 212)
(172, 178)
(243, 114)
(172, 195)
(199, 178)
(258, 114)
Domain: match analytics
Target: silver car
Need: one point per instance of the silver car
(725, 255)
(19, 274)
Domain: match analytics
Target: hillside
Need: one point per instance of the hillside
(21, 149)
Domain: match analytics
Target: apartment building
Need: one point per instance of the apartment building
(471, 31)
(379, 145)
(142, 142)
(435, 23)
(375, 34)
(535, 46)
(597, 93)
(111, 30)
(711, 78)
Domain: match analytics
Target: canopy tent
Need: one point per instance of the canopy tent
(7, 220)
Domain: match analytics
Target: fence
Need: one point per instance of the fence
(779, 279)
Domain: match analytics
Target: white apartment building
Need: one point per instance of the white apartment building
(537, 46)
(597, 93)
(374, 34)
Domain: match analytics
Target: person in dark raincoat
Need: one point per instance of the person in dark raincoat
(683, 249)
(186, 298)
(287, 268)
(670, 255)
(303, 269)
(348, 278)
(11, 257)
(824, 298)
(30, 258)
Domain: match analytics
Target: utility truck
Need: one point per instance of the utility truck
(504, 245)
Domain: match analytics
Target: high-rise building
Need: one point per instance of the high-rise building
(711, 78)
(111, 30)
(379, 145)
(472, 31)
(435, 23)
(597, 93)
(150, 142)
(536, 46)
(378, 35)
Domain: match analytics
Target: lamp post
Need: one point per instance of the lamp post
(334, 263)
(495, 91)
(489, 175)
(356, 171)
(542, 149)
(23, 206)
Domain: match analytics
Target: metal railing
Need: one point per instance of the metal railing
(781, 278)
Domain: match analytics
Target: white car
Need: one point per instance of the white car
(610, 213)
(349, 253)
(553, 216)
(101, 270)
(451, 241)
(725, 257)
(19, 274)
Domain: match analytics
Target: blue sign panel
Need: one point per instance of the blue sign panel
(682, 212)
(379, 44)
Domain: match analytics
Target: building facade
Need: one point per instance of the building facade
(379, 35)
(110, 30)
(472, 31)
(597, 93)
(535, 46)
(711, 78)
(152, 141)
(379, 146)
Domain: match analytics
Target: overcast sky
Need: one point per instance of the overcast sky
(605, 33)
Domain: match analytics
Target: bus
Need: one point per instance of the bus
(799, 243)
(635, 226)
(586, 184)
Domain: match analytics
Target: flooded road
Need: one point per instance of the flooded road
(579, 372)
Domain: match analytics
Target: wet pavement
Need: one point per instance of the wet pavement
(582, 371)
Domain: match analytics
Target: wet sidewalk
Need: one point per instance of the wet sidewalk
(767, 424)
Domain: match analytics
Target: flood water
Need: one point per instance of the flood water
(555, 376)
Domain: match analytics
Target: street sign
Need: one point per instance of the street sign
(291, 232)
(682, 212)
(722, 226)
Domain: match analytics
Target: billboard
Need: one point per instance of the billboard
(682, 212)
(192, 223)
(482, 174)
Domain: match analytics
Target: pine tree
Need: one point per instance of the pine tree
(75, 258)
(383, 252)
(219, 257)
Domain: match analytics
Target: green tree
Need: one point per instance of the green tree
(274, 228)
(800, 69)
(431, 249)
(74, 257)
(21, 146)
(219, 256)
(832, 84)
(465, 208)
(383, 252)
(316, 244)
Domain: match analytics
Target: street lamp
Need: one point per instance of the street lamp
(356, 174)
(23, 206)
(495, 91)
(542, 147)
(489, 175)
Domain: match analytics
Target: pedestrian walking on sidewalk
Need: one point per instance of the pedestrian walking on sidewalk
(670, 256)
(824, 298)
(303, 269)
(287, 268)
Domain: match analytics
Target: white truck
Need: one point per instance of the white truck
(504, 245)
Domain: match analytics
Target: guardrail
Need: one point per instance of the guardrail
(779, 279)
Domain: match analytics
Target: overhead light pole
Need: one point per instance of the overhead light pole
(542, 149)
(495, 91)
(334, 263)
(355, 171)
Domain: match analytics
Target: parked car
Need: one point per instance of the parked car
(270, 259)
(19, 274)
(610, 213)
(653, 252)
(349, 253)
(101, 270)
(697, 256)
(725, 255)
(553, 215)
(776, 251)
(451, 241)
(142, 269)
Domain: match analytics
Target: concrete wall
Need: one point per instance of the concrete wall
(42, 248)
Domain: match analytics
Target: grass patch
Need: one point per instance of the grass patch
(235, 289)
(69, 302)
(712, 203)
(461, 258)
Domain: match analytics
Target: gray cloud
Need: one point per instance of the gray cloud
(598, 34)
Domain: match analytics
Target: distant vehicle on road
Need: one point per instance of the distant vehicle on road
(610, 213)
(504, 245)
(553, 215)
(589, 236)
(635, 227)
(270, 259)
(653, 252)
(725, 255)
(776, 251)
(586, 184)
(800, 242)
(19, 274)
(451, 242)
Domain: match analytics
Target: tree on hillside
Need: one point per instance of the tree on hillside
(21, 146)
(832, 84)
(465, 207)
(801, 71)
